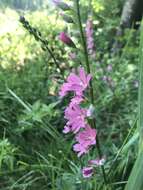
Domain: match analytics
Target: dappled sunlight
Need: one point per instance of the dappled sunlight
(16, 44)
(8, 22)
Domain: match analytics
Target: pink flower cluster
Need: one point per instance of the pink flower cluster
(85, 139)
(76, 83)
(85, 136)
(89, 37)
(75, 115)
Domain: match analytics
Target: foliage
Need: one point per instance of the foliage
(33, 152)
(135, 179)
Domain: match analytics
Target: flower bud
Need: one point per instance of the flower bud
(67, 40)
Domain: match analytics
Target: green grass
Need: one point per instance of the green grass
(136, 177)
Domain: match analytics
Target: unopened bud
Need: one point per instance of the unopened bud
(66, 39)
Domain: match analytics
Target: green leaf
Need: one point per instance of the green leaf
(136, 177)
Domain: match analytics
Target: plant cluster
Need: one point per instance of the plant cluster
(96, 107)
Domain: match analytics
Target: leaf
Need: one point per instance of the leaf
(136, 177)
(66, 182)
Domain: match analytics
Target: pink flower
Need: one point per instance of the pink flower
(87, 172)
(85, 139)
(76, 118)
(98, 162)
(66, 129)
(66, 39)
(81, 149)
(65, 88)
(87, 136)
(76, 100)
(89, 37)
(76, 83)
(89, 28)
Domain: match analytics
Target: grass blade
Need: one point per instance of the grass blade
(136, 177)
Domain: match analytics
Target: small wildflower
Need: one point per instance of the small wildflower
(76, 83)
(87, 172)
(65, 88)
(81, 149)
(89, 37)
(76, 118)
(76, 100)
(98, 162)
(87, 136)
(66, 129)
(85, 139)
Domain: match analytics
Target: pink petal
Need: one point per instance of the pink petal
(98, 162)
(64, 89)
(87, 172)
(89, 77)
(66, 129)
(82, 74)
(73, 78)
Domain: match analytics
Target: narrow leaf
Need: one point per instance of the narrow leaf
(136, 177)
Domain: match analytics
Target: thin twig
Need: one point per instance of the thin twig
(38, 36)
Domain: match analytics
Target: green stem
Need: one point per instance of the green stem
(85, 51)
(82, 36)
